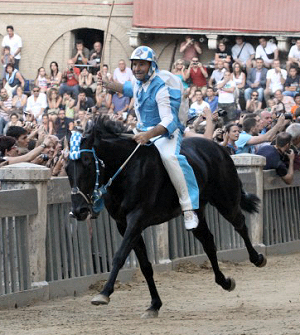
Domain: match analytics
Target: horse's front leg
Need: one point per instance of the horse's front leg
(131, 236)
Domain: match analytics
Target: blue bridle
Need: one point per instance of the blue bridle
(96, 200)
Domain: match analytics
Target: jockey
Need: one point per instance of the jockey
(161, 112)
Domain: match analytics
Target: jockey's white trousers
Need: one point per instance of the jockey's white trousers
(179, 170)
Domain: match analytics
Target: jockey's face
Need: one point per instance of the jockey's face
(140, 69)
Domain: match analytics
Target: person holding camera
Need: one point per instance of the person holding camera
(280, 157)
(284, 103)
(95, 57)
(226, 97)
(198, 74)
(71, 78)
(190, 49)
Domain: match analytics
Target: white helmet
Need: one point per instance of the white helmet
(146, 53)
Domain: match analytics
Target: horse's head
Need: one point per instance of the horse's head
(83, 170)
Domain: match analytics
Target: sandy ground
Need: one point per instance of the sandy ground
(265, 301)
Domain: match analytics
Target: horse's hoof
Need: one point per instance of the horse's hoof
(232, 285)
(150, 314)
(100, 299)
(262, 261)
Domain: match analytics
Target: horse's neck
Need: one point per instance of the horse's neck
(115, 152)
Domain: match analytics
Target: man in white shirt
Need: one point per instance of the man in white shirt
(14, 41)
(217, 74)
(199, 105)
(275, 79)
(268, 51)
(243, 53)
(294, 55)
(122, 73)
(36, 104)
(226, 97)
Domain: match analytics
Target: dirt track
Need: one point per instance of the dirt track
(265, 301)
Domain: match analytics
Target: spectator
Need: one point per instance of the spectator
(13, 79)
(54, 101)
(42, 80)
(63, 125)
(13, 121)
(19, 102)
(55, 75)
(83, 121)
(85, 80)
(199, 105)
(180, 71)
(203, 125)
(249, 137)
(14, 41)
(268, 51)
(37, 103)
(21, 136)
(280, 157)
(231, 135)
(256, 80)
(292, 83)
(47, 125)
(105, 73)
(266, 121)
(5, 108)
(6, 58)
(95, 57)
(275, 79)
(83, 102)
(68, 104)
(122, 73)
(294, 131)
(218, 74)
(253, 105)
(103, 100)
(294, 56)
(296, 106)
(198, 74)
(211, 99)
(71, 75)
(239, 77)
(223, 53)
(80, 54)
(190, 49)
(226, 97)
(284, 103)
(119, 105)
(9, 150)
(243, 53)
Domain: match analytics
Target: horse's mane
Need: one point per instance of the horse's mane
(109, 128)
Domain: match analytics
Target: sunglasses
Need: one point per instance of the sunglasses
(36, 90)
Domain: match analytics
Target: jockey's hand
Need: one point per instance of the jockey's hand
(142, 138)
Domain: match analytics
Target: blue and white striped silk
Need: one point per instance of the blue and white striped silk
(75, 142)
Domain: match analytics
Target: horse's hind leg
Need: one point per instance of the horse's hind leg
(203, 234)
(239, 224)
(147, 270)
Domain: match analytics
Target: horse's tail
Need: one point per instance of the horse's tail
(249, 202)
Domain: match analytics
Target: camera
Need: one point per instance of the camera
(288, 116)
(222, 112)
(89, 110)
(44, 157)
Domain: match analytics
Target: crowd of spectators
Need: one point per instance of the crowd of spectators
(243, 101)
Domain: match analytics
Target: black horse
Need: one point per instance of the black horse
(143, 195)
